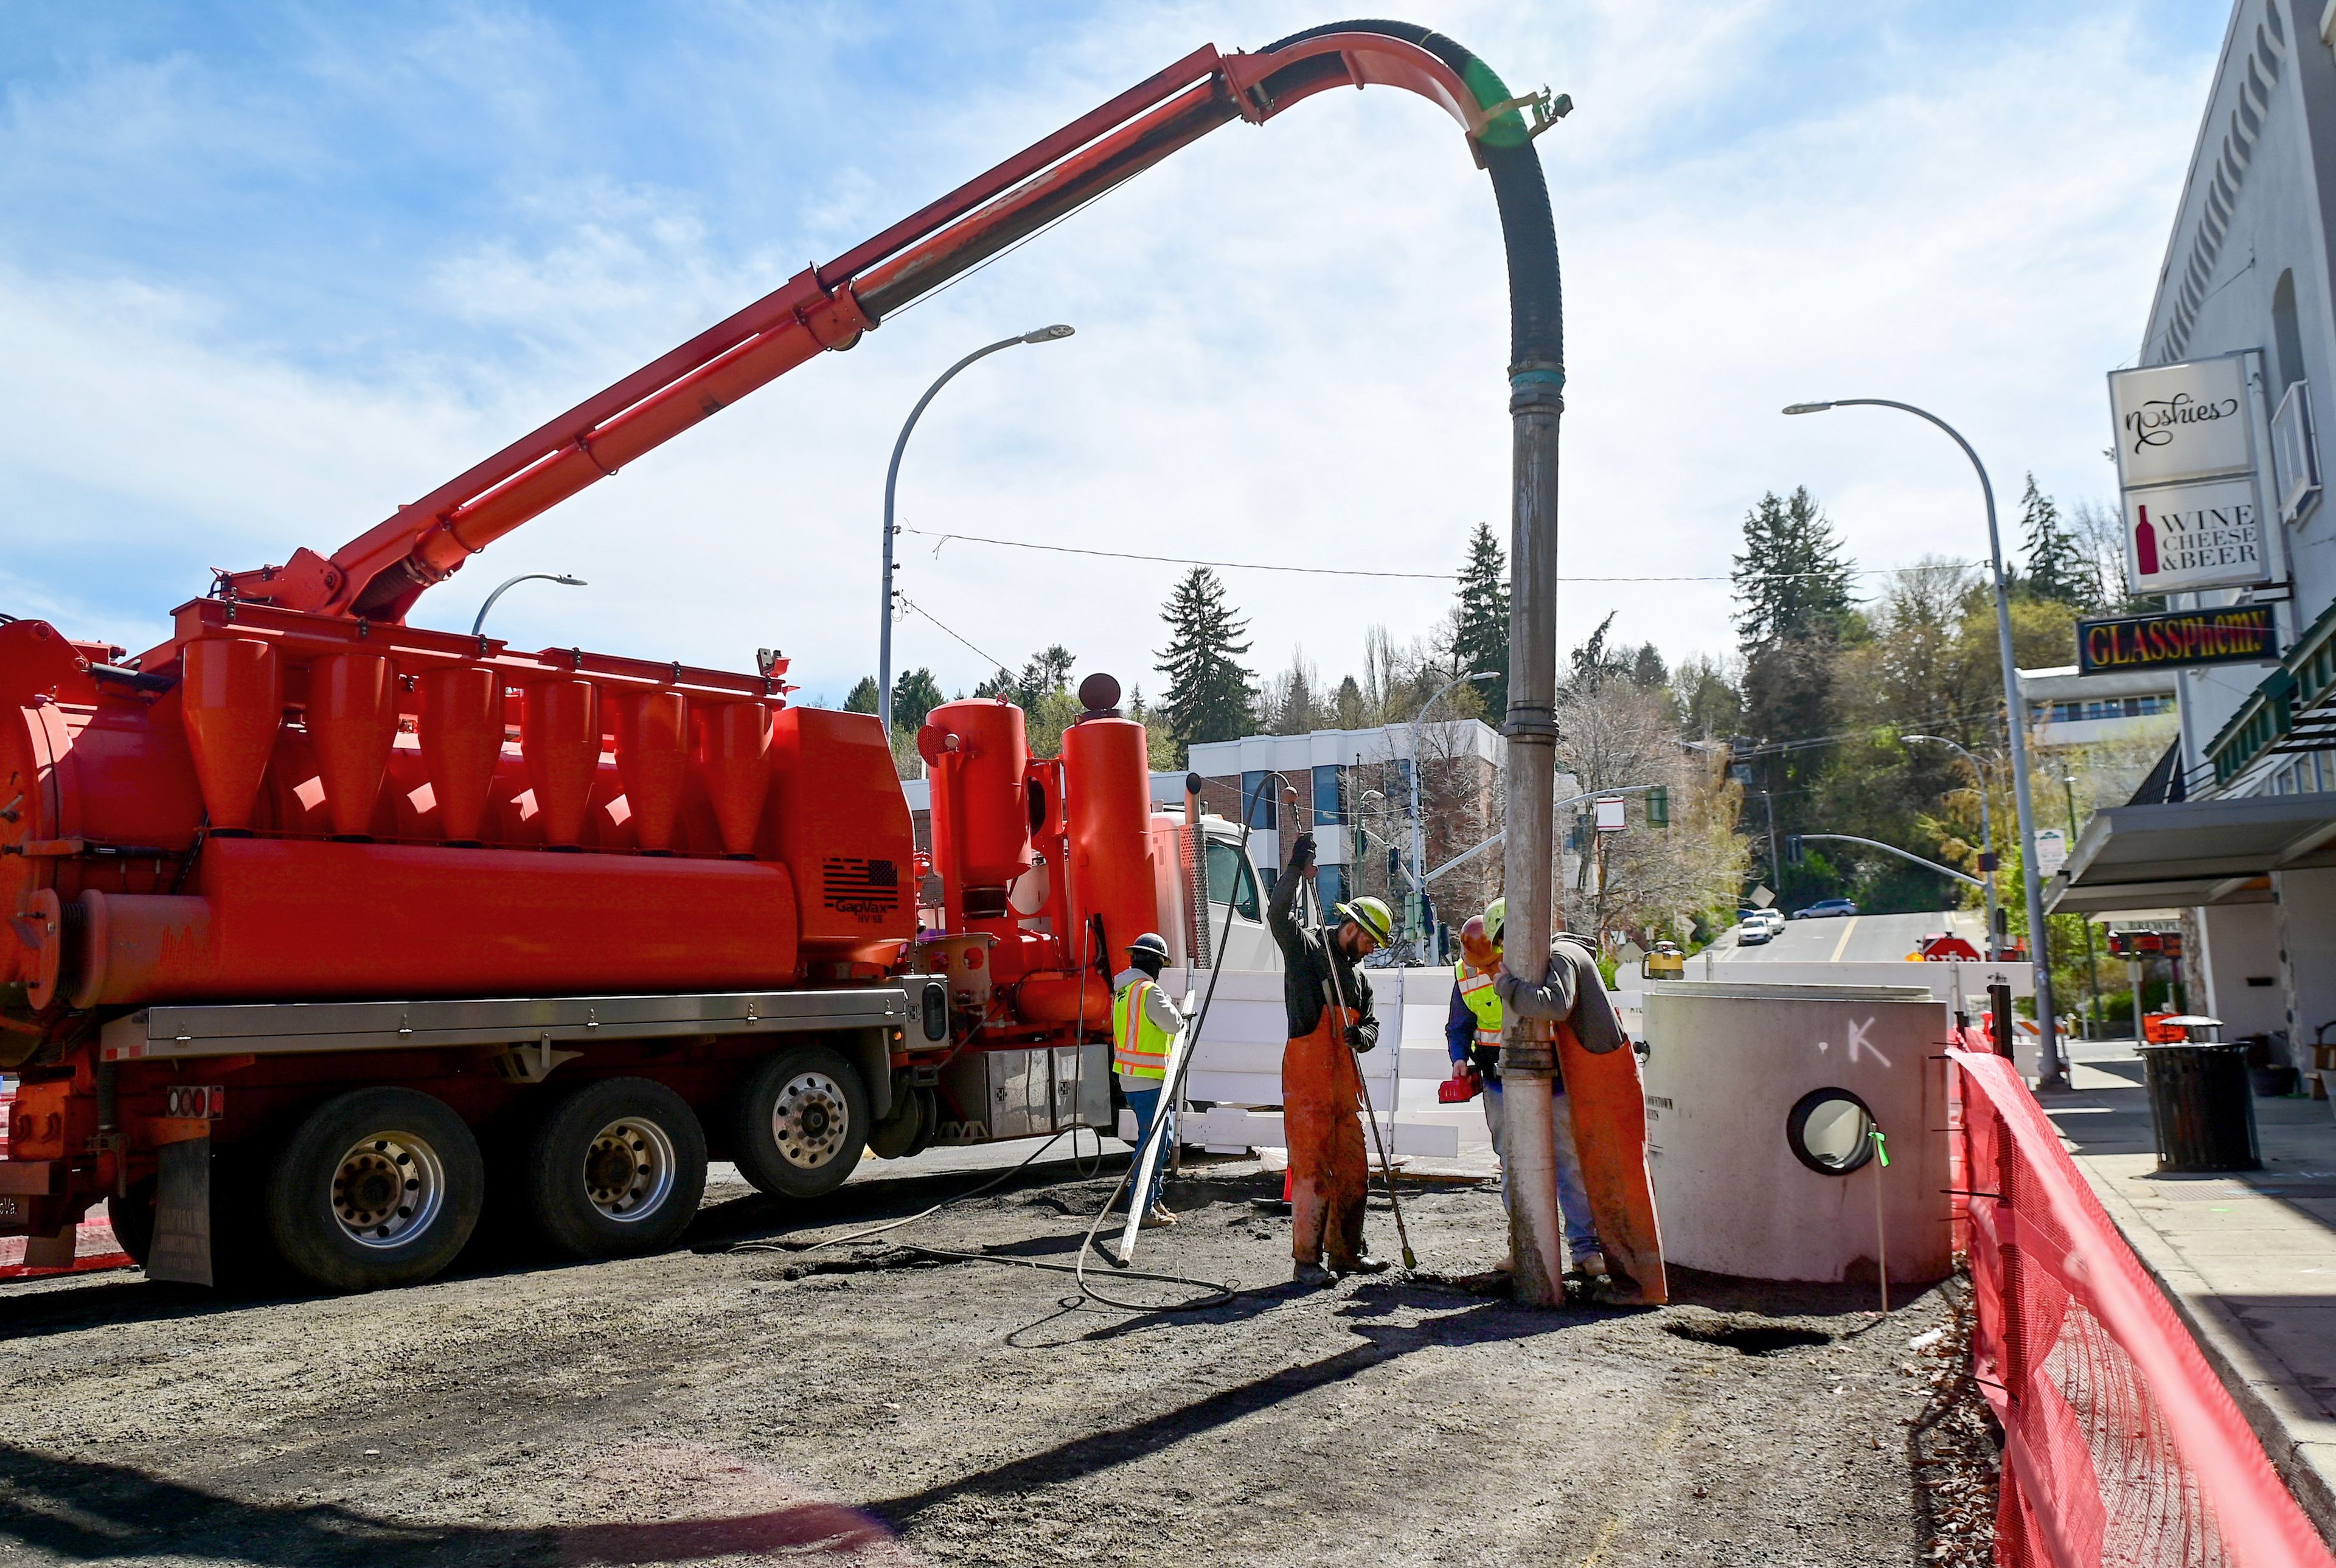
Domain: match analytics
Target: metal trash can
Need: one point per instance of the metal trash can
(2201, 1107)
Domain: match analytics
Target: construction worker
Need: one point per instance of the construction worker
(1145, 1025)
(1573, 992)
(1472, 1035)
(1328, 1003)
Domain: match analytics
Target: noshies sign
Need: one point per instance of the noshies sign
(2186, 452)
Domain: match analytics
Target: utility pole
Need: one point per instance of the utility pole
(2092, 965)
(1776, 866)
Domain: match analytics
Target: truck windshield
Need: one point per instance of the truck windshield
(1230, 880)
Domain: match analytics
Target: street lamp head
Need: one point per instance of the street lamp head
(1049, 334)
(1806, 407)
(567, 582)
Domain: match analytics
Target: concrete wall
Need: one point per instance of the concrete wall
(2240, 941)
(2307, 937)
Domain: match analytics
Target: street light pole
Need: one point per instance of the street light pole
(1418, 827)
(560, 578)
(892, 479)
(1986, 833)
(2051, 1073)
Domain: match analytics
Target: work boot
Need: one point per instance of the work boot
(1313, 1276)
(1590, 1265)
(1363, 1264)
(1156, 1218)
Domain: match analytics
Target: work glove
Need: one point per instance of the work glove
(1301, 853)
(1358, 1041)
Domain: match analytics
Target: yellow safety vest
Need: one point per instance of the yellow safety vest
(1476, 991)
(1139, 1047)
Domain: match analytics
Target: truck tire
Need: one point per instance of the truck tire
(377, 1187)
(614, 1169)
(799, 1122)
(133, 1218)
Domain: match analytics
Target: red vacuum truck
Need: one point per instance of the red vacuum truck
(323, 927)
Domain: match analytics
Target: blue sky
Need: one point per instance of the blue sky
(269, 270)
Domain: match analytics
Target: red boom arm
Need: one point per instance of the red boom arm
(379, 575)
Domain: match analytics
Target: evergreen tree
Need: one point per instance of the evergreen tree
(1792, 580)
(1648, 669)
(1348, 709)
(914, 694)
(1595, 664)
(1211, 697)
(1480, 638)
(863, 696)
(2056, 567)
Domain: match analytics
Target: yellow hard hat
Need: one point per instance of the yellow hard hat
(1373, 916)
(1497, 920)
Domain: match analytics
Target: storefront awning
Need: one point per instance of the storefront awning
(2209, 852)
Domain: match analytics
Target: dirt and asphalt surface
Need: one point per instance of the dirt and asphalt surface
(869, 1404)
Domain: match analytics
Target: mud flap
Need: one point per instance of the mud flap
(182, 1215)
(1604, 1095)
(52, 1251)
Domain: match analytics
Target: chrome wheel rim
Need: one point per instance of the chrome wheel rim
(810, 1121)
(388, 1189)
(628, 1170)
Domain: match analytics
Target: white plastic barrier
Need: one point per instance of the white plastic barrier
(1237, 1062)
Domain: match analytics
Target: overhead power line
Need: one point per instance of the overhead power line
(943, 539)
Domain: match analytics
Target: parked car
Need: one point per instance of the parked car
(1825, 909)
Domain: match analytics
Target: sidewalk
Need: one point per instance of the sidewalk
(2248, 1258)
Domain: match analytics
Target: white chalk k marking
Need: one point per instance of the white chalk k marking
(1858, 1042)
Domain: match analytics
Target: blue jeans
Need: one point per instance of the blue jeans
(1145, 1104)
(1573, 1198)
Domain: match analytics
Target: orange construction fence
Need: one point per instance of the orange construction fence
(2121, 1446)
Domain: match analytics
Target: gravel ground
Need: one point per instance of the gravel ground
(871, 1404)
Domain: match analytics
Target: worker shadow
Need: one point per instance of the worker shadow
(86, 1510)
(1076, 1458)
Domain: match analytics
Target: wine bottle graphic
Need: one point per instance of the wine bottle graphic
(2145, 543)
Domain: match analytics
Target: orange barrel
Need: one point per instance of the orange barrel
(980, 753)
(232, 697)
(352, 723)
(1107, 793)
(653, 758)
(734, 761)
(461, 735)
(559, 735)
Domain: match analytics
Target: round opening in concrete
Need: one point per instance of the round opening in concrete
(1831, 1132)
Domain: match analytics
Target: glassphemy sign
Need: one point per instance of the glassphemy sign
(2243, 634)
(2185, 453)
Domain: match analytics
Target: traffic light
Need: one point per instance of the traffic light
(1659, 807)
(1792, 849)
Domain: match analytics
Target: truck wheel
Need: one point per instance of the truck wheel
(800, 1122)
(133, 1218)
(616, 1168)
(377, 1187)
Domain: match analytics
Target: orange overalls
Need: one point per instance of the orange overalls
(1329, 1176)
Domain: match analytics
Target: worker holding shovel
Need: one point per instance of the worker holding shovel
(1328, 1003)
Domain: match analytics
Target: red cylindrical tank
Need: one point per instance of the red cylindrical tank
(652, 755)
(352, 723)
(559, 735)
(1107, 792)
(457, 922)
(461, 735)
(733, 760)
(232, 704)
(980, 753)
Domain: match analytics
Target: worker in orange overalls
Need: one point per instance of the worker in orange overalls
(1320, 1083)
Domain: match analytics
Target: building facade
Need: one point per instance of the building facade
(2236, 828)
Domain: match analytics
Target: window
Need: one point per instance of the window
(1330, 886)
(1329, 793)
(1259, 799)
(2286, 338)
(1231, 881)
